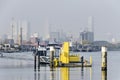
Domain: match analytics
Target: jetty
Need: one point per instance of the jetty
(67, 60)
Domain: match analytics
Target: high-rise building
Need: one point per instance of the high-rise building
(87, 36)
(24, 25)
(14, 27)
(58, 37)
(90, 24)
(29, 31)
(54, 37)
(25, 30)
(35, 38)
(16, 32)
(45, 33)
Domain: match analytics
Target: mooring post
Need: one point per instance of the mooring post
(104, 58)
(34, 62)
(90, 60)
(104, 75)
(82, 61)
(39, 62)
(38, 58)
(82, 65)
(52, 56)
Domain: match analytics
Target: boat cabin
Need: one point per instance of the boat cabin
(42, 51)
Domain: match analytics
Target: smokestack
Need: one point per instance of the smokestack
(90, 24)
(20, 35)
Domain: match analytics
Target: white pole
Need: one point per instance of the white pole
(52, 50)
(104, 58)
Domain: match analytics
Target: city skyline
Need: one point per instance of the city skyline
(68, 15)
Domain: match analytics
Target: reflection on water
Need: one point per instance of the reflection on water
(90, 73)
(52, 76)
(104, 75)
(71, 73)
(82, 73)
(64, 73)
(17, 69)
(35, 76)
(42, 74)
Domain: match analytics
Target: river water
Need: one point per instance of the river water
(19, 66)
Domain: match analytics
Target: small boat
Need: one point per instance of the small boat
(44, 60)
(42, 52)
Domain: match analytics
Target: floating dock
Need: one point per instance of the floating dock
(66, 60)
(75, 65)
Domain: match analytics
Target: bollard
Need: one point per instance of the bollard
(52, 56)
(34, 62)
(82, 66)
(39, 62)
(104, 75)
(104, 58)
(82, 61)
(90, 60)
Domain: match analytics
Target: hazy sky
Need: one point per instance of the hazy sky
(70, 15)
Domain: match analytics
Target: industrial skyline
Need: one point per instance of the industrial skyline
(15, 26)
(70, 15)
(19, 30)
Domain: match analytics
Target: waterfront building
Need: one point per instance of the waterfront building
(58, 37)
(54, 37)
(14, 30)
(25, 31)
(34, 39)
(90, 24)
(86, 37)
(65, 37)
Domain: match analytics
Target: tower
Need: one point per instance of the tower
(46, 30)
(25, 30)
(21, 36)
(14, 31)
(91, 26)
(28, 31)
(87, 36)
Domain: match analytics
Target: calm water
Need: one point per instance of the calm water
(21, 68)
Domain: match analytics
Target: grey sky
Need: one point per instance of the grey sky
(70, 15)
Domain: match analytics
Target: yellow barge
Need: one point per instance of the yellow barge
(66, 60)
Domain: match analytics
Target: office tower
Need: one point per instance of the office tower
(14, 31)
(90, 24)
(35, 38)
(45, 33)
(29, 32)
(21, 36)
(25, 30)
(87, 36)
(54, 37)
